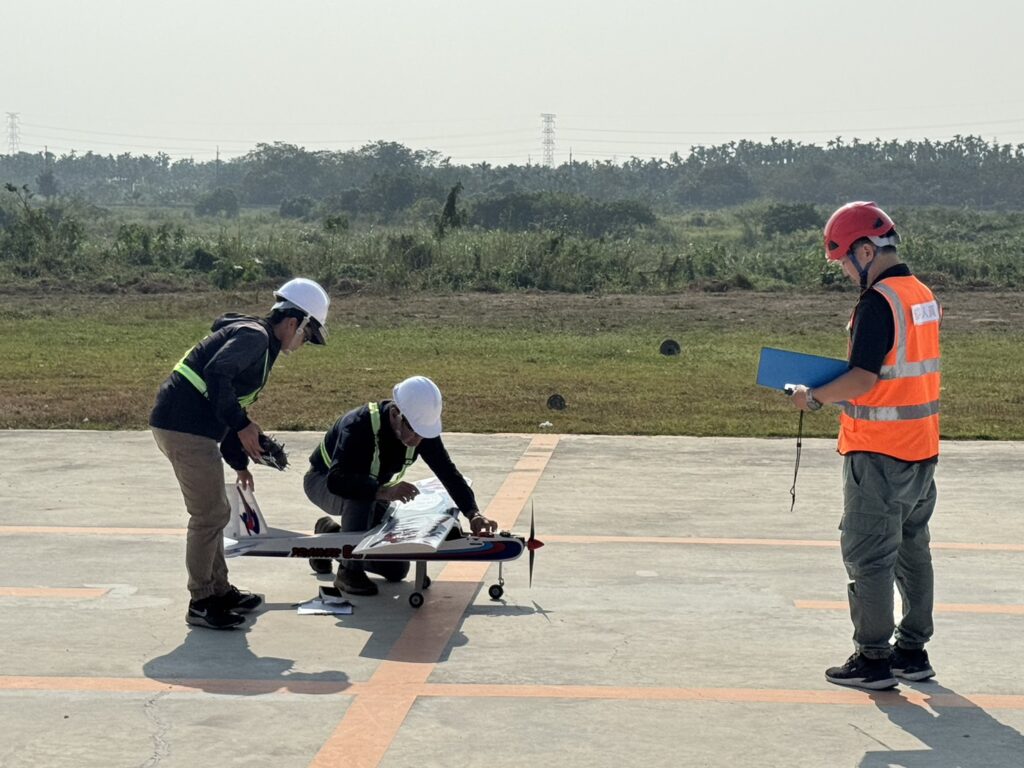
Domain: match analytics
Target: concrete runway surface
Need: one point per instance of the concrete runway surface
(680, 615)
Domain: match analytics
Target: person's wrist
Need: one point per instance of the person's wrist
(812, 403)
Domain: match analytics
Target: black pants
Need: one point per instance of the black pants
(361, 516)
(355, 516)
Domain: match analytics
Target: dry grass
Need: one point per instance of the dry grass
(96, 361)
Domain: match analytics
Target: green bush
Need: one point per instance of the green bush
(217, 202)
(786, 218)
(297, 208)
(522, 211)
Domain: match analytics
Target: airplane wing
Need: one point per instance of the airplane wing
(416, 527)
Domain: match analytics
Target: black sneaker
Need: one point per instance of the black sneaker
(861, 672)
(911, 664)
(237, 600)
(354, 582)
(210, 613)
(324, 525)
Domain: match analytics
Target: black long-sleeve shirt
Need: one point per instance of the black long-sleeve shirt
(350, 443)
(234, 361)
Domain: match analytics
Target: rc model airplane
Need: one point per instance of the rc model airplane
(422, 530)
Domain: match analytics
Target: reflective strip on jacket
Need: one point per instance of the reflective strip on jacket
(410, 453)
(899, 417)
(197, 381)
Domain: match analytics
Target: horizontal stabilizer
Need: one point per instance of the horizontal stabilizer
(246, 520)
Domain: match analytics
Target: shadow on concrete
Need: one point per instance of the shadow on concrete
(221, 662)
(384, 618)
(500, 608)
(956, 733)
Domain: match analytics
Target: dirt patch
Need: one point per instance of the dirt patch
(965, 311)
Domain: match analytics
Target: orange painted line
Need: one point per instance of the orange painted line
(13, 530)
(977, 547)
(733, 542)
(693, 540)
(392, 697)
(366, 731)
(842, 605)
(147, 685)
(84, 593)
(20, 530)
(724, 695)
(373, 720)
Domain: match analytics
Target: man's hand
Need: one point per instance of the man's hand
(245, 479)
(402, 491)
(482, 526)
(250, 440)
(803, 399)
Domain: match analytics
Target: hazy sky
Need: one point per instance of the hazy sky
(470, 79)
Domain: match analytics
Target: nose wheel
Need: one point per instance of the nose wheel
(497, 590)
(422, 583)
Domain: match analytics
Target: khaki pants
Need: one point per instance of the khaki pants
(197, 465)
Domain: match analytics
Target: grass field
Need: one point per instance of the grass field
(95, 362)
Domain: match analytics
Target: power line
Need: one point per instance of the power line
(820, 131)
(215, 140)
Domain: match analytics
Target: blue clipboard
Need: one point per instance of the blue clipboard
(779, 367)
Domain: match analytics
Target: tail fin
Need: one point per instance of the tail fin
(246, 520)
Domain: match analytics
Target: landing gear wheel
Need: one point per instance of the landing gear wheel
(415, 599)
(495, 591)
(426, 582)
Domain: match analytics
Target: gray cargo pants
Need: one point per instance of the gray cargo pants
(355, 516)
(887, 504)
(197, 465)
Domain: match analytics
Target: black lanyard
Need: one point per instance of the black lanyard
(796, 467)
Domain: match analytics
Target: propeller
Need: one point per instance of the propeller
(532, 543)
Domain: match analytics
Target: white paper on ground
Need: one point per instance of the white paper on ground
(319, 607)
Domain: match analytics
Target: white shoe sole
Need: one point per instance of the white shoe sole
(874, 685)
(915, 677)
(195, 621)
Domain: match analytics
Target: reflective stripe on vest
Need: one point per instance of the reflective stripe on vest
(892, 412)
(902, 369)
(899, 415)
(197, 381)
(410, 453)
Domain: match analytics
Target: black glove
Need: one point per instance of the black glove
(272, 453)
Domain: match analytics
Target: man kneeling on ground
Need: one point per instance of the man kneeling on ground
(356, 473)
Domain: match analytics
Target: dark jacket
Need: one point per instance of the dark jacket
(234, 361)
(350, 442)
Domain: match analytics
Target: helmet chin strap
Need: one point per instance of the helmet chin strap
(299, 330)
(862, 271)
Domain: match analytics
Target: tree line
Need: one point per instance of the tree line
(386, 180)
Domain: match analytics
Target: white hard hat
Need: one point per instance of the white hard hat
(306, 295)
(419, 400)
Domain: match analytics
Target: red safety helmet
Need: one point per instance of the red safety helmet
(854, 221)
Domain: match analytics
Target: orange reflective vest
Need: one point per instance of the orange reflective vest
(900, 415)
